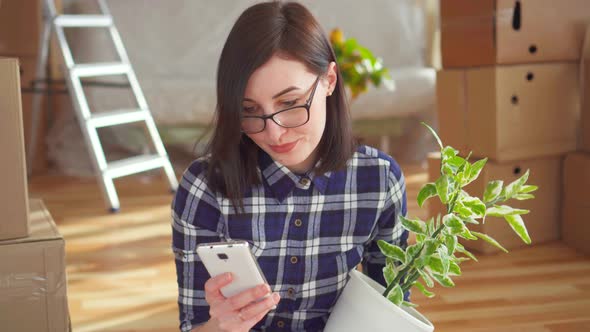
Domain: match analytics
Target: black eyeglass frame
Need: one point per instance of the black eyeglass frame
(307, 106)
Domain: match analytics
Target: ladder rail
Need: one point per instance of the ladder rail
(89, 123)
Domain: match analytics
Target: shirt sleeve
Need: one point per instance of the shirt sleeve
(389, 227)
(196, 218)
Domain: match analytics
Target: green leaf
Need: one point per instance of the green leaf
(466, 234)
(454, 224)
(456, 161)
(389, 273)
(423, 289)
(430, 247)
(462, 210)
(443, 280)
(477, 207)
(489, 240)
(421, 262)
(427, 279)
(516, 186)
(392, 251)
(429, 190)
(448, 152)
(471, 220)
(464, 175)
(522, 197)
(504, 210)
(528, 189)
(409, 304)
(416, 226)
(465, 252)
(396, 296)
(365, 53)
(493, 190)
(454, 269)
(434, 134)
(442, 188)
(436, 265)
(420, 238)
(475, 169)
(517, 224)
(430, 227)
(444, 259)
(451, 242)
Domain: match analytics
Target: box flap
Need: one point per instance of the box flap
(42, 226)
(467, 32)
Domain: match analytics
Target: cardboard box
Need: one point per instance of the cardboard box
(576, 207)
(13, 174)
(510, 112)
(33, 291)
(28, 75)
(20, 24)
(489, 32)
(544, 218)
(585, 94)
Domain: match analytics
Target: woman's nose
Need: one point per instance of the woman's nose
(274, 131)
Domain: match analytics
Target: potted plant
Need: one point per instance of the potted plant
(366, 305)
(358, 66)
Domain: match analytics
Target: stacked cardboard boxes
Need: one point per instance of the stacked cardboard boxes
(32, 256)
(510, 91)
(33, 290)
(576, 172)
(13, 175)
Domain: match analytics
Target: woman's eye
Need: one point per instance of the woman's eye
(249, 109)
(289, 103)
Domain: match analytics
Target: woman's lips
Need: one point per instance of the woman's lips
(283, 148)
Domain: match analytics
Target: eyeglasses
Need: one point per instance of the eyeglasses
(291, 117)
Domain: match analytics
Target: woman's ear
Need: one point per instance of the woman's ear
(332, 78)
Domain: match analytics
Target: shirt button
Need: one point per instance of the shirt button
(294, 260)
(281, 324)
(304, 181)
(291, 292)
(298, 222)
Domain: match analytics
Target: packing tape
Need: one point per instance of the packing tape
(31, 286)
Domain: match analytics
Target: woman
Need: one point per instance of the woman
(282, 172)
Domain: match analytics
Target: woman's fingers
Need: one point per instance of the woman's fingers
(243, 310)
(255, 311)
(213, 288)
(248, 296)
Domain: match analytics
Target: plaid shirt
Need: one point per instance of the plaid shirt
(306, 231)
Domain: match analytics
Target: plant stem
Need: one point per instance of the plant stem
(408, 268)
(410, 282)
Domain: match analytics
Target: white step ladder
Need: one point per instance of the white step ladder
(89, 122)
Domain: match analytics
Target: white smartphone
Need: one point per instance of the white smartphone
(234, 257)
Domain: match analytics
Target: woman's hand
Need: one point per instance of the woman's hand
(238, 313)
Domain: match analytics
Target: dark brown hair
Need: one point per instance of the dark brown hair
(285, 29)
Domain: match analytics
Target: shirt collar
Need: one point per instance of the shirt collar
(281, 181)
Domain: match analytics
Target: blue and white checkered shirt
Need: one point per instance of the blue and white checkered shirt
(307, 232)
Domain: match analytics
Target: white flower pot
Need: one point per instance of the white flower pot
(362, 307)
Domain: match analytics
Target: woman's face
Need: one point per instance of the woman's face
(280, 84)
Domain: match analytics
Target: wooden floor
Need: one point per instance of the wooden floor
(121, 274)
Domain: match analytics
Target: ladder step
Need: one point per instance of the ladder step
(117, 117)
(134, 165)
(100, 69)
(84, 21)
